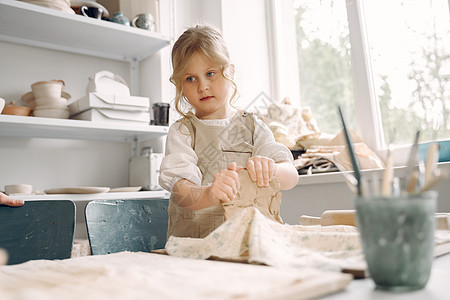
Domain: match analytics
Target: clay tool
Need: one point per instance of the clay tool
(412, 182)
(421, 180)
(375, 185)
(352, 154)
(388, 175)
(396, 190)
(432, 159)
(412, 160)
(437, 176)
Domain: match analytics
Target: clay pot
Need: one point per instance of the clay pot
(12, 109)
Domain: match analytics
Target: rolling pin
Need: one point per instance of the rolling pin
(443, 221)
(347, 217)
(330, 217)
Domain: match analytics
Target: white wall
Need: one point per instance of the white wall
(244, 29)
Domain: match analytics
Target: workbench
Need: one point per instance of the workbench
(436, 289)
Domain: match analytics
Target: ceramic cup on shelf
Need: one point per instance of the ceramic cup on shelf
(51, 88)
(144, 21)
(91, 12)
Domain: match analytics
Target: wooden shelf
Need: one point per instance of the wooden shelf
(33, 127)
(35, 25)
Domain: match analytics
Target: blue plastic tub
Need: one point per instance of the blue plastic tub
(444, 150)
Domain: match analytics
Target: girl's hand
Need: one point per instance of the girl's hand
(261, 169)
(225, 185)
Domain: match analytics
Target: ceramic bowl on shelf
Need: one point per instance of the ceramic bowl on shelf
(30, 100)
(13, 109)
(20, 188)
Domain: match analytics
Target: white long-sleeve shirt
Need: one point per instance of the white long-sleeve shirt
(180, 159)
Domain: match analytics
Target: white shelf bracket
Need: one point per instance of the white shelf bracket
(134, 76)
(135, 146)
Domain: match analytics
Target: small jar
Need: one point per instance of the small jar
(118, 17)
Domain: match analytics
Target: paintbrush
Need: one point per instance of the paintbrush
(388, 174)
(412, 160)
(438, 176)
(352, 154)
(432, 159)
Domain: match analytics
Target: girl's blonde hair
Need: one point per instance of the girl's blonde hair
(199, 39)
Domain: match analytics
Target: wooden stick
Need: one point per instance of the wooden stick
(412, 183)
(388, 176)
(430, 164)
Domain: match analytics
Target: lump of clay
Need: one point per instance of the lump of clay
(266, 199)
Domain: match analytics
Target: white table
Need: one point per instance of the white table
(438, 286)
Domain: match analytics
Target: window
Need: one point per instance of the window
(324, 61)
(387, 63)
(410, 55)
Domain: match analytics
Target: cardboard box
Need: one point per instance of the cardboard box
(96, 100)
(114, 116)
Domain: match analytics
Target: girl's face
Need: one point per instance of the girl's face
(206, 88)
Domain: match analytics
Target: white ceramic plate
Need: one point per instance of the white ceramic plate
(78, 190)
(126, 189)
(57, 113)
(30, 97)
(43, 103)
(90, 4)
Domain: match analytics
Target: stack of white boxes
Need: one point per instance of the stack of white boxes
(111, 108)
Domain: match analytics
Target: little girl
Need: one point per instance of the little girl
(206, 148)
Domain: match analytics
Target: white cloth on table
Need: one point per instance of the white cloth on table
(131, 276)
(252, 237)
(249, 236)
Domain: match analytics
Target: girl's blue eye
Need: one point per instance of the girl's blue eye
(190, 79)
(209, 74)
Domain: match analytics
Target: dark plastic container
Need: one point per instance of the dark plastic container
(161, 113)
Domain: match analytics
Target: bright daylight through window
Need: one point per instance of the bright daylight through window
(409, 56)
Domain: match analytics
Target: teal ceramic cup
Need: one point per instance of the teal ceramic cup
(397, 236)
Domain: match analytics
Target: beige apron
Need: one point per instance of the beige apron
(216, 147)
